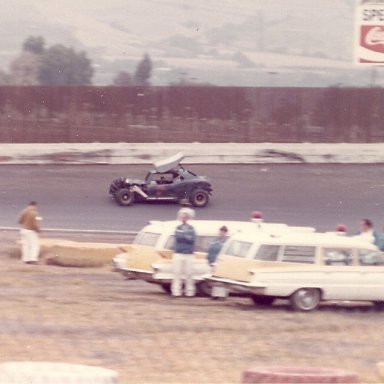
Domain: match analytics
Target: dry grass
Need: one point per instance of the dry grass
(67, 253)
(94, 316)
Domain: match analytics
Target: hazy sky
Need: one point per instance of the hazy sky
(115, 24)
(113, 30)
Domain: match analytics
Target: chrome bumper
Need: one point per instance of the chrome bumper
(233, 285)
(137, 274)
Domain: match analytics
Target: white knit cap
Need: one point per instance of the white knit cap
(187, 211)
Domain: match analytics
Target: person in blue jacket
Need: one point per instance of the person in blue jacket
(215, 246)
(213, 250)
(182, 261)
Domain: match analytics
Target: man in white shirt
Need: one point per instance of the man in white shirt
(367, 232)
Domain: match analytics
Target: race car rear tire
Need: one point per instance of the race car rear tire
(199, 198)
(125, 197)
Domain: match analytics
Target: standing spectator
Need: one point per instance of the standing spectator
(29, 229)
(369, 234)
(213, 250)
(182, 260)
(366, 230)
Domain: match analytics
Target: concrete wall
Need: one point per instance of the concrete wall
(212, 153)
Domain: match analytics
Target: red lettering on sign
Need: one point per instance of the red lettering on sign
(372, 38)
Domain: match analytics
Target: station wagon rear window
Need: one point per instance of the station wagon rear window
(267, 252)
(238, 248)
(147, 238)
(299, 254)
(170, 242)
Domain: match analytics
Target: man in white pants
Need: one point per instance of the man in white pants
(182, 260)
(29, 230)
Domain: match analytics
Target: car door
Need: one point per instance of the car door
(299, 255)
(370, 277)
(339, 277)
(359, 280)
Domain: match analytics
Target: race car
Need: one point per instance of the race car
(168, 181)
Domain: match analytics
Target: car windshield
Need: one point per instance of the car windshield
(189, 174)
(147, 238)
(237, 248)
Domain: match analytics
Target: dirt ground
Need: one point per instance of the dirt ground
(96, 317)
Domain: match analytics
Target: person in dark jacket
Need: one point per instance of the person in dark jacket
(213, 250)
(182, 261)
(215, 246)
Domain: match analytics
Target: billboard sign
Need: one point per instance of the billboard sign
(369, 44)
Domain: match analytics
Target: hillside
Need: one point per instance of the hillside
(221, 41)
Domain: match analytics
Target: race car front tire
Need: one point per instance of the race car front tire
(125, 197)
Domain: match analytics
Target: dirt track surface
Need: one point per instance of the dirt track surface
(96, 317)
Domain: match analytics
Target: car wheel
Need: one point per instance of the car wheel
(262, 300)
(125, 197)
(199, 198)
(203, 289)
(166, 287)
(305, 299)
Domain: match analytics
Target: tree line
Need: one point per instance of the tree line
(38, 64)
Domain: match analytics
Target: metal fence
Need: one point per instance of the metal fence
(190, 113)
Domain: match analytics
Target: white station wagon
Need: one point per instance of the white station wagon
(149, 258)
(304, 269)
(154, 244)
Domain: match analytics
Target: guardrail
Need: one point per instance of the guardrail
(195, 153)
(78, 234)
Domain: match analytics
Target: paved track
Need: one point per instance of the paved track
(319, 195)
